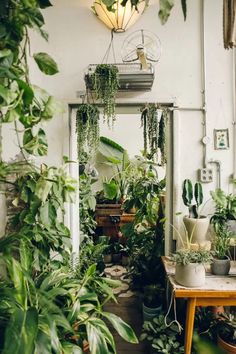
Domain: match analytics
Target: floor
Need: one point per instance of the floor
(128, 308)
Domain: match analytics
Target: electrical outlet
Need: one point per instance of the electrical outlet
(206, 175)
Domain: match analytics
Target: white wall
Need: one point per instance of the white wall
(77, 38)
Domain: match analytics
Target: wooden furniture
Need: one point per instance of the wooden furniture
(218, 290)
(111, 223)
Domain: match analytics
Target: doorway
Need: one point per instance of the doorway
(127, 132)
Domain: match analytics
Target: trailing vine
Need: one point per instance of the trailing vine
(106, 83)
(87, 128)
(154, 132)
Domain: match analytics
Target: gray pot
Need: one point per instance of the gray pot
(220, 266)
(190, 275)
(150, 312)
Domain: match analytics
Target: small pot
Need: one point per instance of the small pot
(107, 258)
(227, 348)
(116, 257)
(125, 260)
(220, 266)
(150, 312)
(190, 275)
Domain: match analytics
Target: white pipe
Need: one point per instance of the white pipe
(203, 79)
(234, 112)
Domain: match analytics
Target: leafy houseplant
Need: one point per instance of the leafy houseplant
(196, 224)
(227, 332)
(221, 247)
(163, 338)
(225, 208)
(105, 82)
(153, 298)
(87, 128)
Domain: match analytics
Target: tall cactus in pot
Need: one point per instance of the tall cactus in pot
(187, 196)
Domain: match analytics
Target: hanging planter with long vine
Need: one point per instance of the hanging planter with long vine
(87, 128)
(105, 83)
(154, 132)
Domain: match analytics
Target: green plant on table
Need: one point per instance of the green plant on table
(163, 338)
(185, 256)
(225, 208)
(187, 196)
(221, 242)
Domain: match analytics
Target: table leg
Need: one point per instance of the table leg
(191, 304)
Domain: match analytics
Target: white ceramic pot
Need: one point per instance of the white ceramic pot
(196, 228)
(191, 275)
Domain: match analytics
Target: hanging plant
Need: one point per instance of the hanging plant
(162, 136)
(105, 82)
(149, 122)
(87, 128)
(154, 133)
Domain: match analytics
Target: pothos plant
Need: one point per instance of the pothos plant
(105, 82)
(87, 128)
(154, 132)
(20, 101)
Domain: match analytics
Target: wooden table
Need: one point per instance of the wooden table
(218, 290)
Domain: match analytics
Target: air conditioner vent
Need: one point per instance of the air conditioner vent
(131, 77)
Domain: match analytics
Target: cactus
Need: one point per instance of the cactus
(187, 196)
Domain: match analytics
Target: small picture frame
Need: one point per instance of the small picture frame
(221, 139)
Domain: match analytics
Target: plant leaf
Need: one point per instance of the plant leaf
(21, 332)
(165, 9)
(46, 64)
(184, 8)
(124, 330)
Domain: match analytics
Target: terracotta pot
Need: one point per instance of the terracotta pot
(191, 275)
(228, 348)
(196, 228)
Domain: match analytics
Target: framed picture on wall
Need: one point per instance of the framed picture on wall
(221, 139)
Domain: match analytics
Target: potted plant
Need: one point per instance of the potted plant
(227, 333)
(116, 251)
(225, 212)
(162, 337)
(105, 82)
(190, 270)
(153, 297)
(195, 224)
(125, 253)
(87, 129)
(221, 244)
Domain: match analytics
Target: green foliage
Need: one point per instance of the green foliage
(186, 256)
(221, 242)
(163, 338)
(105, 82)
(187, 196)
(154, 132)
(87, 202)
(153, 295)
(20, 101)
(225, 208)
(87, 128)
(39, 198)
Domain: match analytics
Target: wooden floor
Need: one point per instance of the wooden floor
(129, 309)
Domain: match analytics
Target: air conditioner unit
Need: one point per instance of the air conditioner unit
(131, 77)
